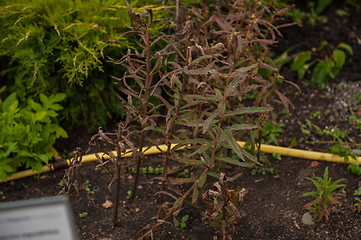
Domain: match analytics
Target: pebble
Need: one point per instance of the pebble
(307, 219)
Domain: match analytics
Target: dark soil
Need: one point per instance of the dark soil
(272, 208)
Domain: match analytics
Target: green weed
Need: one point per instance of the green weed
(326, 198)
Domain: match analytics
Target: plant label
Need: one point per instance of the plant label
(40, 219)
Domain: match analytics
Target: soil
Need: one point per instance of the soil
(272, 208)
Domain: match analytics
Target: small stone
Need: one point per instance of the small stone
(307, 219)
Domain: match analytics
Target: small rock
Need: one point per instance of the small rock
(307, 219)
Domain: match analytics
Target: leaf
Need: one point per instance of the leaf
(358, 192)
(228, 140)
(319, 75)
(44, 99)
(346, 47)
(210, 121)
(238, 127)
(202, 179)
(34, 105)
(214, 174)
(285, 101)
(59, 97)
(56, 106)
(235, 162)
(40, 115)
(180, 181)
(195, 195)
(299, 63)
(196, 72)
(294, 142)
(321, 6)
(315, 163)
(107, 204)
(241, 71)
(10, 102)
(248, 110)
(339, 57)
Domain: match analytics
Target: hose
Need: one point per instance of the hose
(291, 152)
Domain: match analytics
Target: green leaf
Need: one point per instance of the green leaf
(228, 141)
(195, 194)
(346, 47)
(202, 179)
(358, 192)
(40, 115)
(34, 105)
(185, 218)
(320, 73)
(294, 142)
(214, 174)
(235, 162)
(339, 57)
(9, 103)
(299, 63)
(44, 99)
(322, 5)
(248, 110)
(59, 131)
(56, 106)
(58, 97)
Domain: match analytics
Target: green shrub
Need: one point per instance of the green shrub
(60, 46)
(27, 131)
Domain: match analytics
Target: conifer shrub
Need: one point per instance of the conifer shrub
(59, 46)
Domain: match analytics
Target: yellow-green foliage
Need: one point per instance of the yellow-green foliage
(49, 46)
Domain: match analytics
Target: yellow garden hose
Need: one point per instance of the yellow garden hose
(291, 152)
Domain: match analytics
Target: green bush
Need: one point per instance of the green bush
(50, 46)
(27, 131)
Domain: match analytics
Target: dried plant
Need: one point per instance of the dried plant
(120, 140)
(70, 177)
(203, 71)
(137, 83)
(220, 53)
(225, 204)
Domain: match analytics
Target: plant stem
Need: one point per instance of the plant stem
(143, 105)
(116, 202)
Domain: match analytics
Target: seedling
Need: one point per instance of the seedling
(357, 206)
(326, 198)
(264, 169)
(357, 192)
(87, 187)
(182, 223)
(355, 169)
(83, 214)
(129, 194)
(63, 182)
(271, 132)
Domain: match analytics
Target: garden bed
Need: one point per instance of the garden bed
(273, 206)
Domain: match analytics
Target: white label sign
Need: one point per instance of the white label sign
(39, 219)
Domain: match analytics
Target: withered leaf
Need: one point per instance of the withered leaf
(107, 204)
